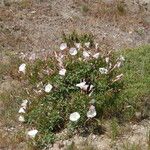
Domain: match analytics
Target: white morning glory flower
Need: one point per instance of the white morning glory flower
(62, 72)
(87, 44)
(24, 103)
(82, 85)
(107, 60)
(21, 118)
(121, 58)
(48, 88)
(73, 51)
(96, 56)
(22, 68)
(78, 45)
(92, 112)
(63, 46)
(103, 70)
(21, 110)
(86, 54)
(32, 133)
(74, 116)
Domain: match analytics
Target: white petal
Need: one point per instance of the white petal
(103, 70)
(74, 116)
(48, 88)
(24, 103)
(62, 72)
(87, 44)
(85, 87)
(21, 118)
(63, 46)
(121, 58)
(78, 45)
(73, 51)
(22, 68)
(96, 55)
(86, 54)
(91, 87)
(118, 64)
(21, 110)
(107, 60)
(92, 112)
(81, 84)
(32, 133)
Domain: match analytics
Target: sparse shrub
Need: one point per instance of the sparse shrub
(22, 4)
(121, 8)
(80, 79)
(84, 8)
(74, 37)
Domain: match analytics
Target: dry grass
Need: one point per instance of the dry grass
(11, 91)
(13, 37)
(115, 12)
(23, 4)
(82, 146)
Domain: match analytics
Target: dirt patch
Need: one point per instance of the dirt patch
(134, 136)
(32, 27)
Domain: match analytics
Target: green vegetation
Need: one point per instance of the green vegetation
(84, 8)
(49, 112)
(121, 8)
(137, 82)
(74, 37)
(23, 4)
(114, 128)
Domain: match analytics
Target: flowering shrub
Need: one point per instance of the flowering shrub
(74, 89)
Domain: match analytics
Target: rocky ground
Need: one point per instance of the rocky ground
(31, 29)
(133, 136)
